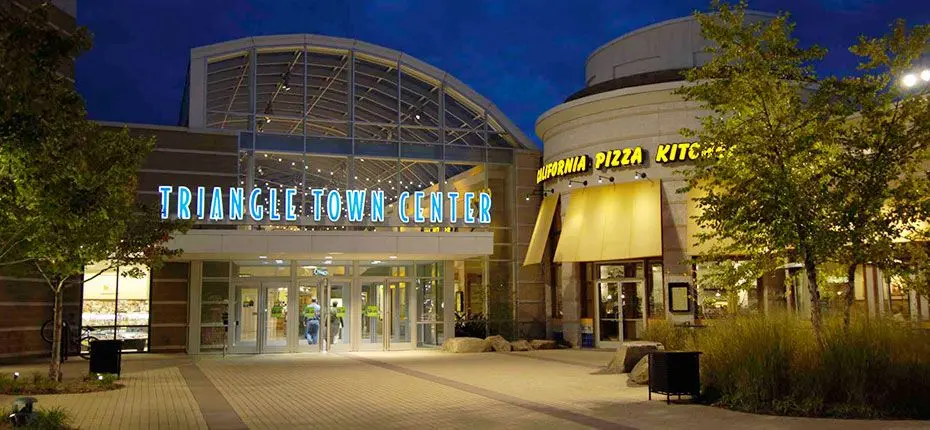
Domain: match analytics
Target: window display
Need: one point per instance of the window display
(116, 306)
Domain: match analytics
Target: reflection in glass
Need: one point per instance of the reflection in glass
(372, 312)
(276, 321)
(609, 302)
(247, 304)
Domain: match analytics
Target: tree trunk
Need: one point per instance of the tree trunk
(54, 368)
(850, 294)
(816, 319)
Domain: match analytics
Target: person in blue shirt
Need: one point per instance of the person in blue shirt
(312, 314)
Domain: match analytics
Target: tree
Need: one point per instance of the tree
(819, 169)
(766, 174)
(69, 185)
(885, 146)
(38, 103)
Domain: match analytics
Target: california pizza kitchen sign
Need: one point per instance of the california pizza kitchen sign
(633, 156)
(354, 205)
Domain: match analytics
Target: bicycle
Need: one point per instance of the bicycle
(81, 343)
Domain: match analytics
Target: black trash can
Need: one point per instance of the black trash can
(674, 373)
(106, 356)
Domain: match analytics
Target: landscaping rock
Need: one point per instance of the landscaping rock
(520, 345)
(640, 373)
(629, 355)
(498, 343)
(543, 344)
(465, 345)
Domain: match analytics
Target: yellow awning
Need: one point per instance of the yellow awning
(612, 222)
(537, 247)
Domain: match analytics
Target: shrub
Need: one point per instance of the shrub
(673, 338)
(38, 383)
(875, 369)
(56, 418)
(471, 325)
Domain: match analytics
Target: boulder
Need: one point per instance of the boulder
(629, 355)
(543, 344)
(640, 373)
(498, 343)
(520, 345)
(465, 344)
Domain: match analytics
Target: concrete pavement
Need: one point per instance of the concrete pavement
(403, 389)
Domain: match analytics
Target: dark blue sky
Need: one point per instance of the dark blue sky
(524, 55)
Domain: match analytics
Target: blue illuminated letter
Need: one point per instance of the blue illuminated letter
(453, 203)
(289, 214)
(235, 204)
(333, 205)
(469, 215)
(165, 191)
(184, 202)
(435, 207)
(256, 211)
(355, 200)
(216, 204)
(273, 214)
(418, 206)
(484, 208)
(317, 202)
(377, 206)
(402, 207)
(201, 200)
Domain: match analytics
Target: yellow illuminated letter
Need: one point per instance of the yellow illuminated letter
(662, 153)
(599, 160)
(637, 157)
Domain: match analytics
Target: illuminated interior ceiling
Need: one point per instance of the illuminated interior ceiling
(344, 91)
(386, 95)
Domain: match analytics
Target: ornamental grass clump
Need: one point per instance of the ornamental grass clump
(874, 369)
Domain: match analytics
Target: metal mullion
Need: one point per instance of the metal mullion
(350, 95)
(303, 108)
(442, 117)
(397, 108)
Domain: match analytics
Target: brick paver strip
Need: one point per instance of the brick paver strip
(575, 417)
(558, 360)
(217, 412)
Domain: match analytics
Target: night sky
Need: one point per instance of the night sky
(525, 56)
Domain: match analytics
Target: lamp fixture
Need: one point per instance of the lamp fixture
(600, 179)
(639, 175)
(572, 181)
(542, 193)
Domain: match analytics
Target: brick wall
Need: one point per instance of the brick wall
(168, 312)
(26, 302)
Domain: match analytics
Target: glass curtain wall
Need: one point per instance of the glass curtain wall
(214, 299)
(430, 299)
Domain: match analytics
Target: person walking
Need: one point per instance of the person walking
(335, 323)
(312, 313)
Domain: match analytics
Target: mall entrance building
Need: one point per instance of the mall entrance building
(277, 136)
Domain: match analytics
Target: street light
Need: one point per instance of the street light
(911, 79)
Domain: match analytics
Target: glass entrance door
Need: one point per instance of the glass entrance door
(385, 316)
(620, 312)
(246, 329)
(261, 321)
(609, 317)
(274, 337)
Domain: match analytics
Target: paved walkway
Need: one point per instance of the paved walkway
(414, 389)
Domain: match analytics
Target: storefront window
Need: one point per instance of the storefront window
(116, 305)
(656, 304)
(213, 303)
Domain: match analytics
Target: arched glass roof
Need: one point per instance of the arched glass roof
(309, 85)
